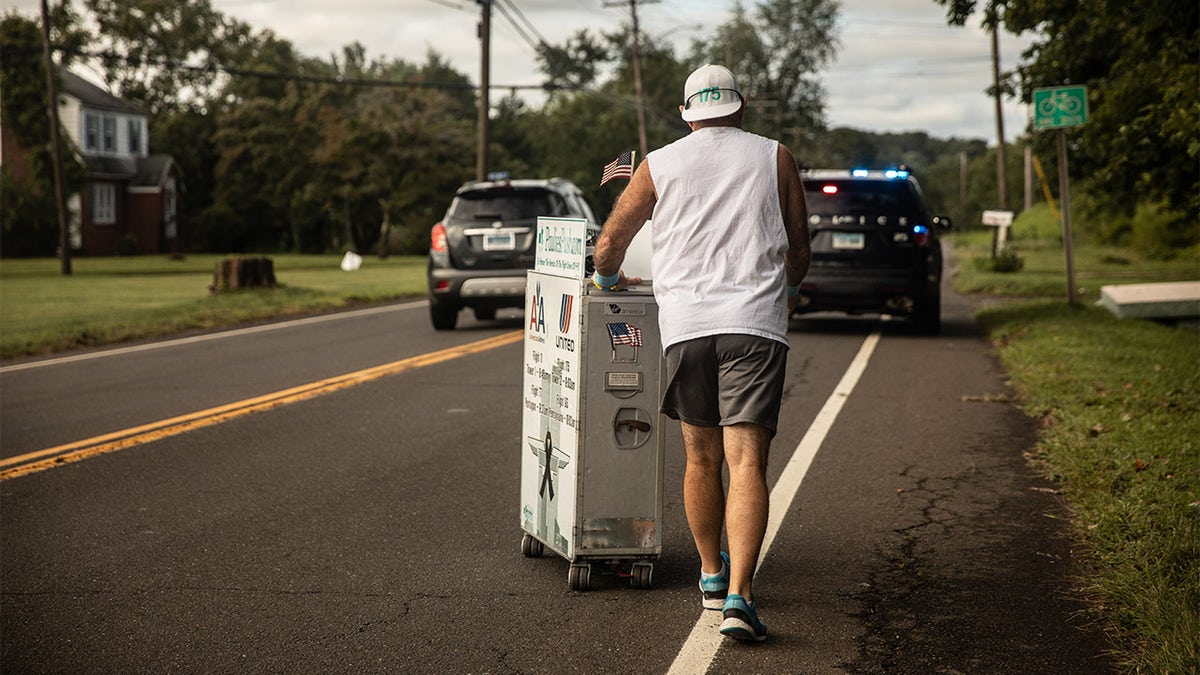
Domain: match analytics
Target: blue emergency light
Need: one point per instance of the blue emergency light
(891, 174)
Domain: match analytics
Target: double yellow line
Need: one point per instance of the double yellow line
(14, 467)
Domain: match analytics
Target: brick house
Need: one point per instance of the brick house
(128, 200)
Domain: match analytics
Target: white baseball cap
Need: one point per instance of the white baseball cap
(710, 92)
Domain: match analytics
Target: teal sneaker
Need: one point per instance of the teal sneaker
(714, 588)
(741, 621)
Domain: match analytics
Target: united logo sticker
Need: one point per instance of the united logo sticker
(564, 341)
(564, 314)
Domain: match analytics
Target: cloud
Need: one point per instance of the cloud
(900, 67)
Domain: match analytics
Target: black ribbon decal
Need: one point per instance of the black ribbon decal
(546, 482)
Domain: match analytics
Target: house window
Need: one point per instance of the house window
(104, 203)
(110, 133)
(135, 137)
(91, 131)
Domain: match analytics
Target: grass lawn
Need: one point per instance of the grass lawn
(1119, 406)
(1037, 240)
(109, 300)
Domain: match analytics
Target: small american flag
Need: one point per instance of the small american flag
(621, 167)
(624, 334)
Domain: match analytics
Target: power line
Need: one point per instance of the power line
(520, 31)
(451, 5)
(897, 22)
(298, 77)
(533, 29)
(911, 71)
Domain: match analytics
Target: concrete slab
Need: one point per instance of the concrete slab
(1168, 300)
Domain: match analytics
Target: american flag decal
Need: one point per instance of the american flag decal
(621, 167)
(624, 334)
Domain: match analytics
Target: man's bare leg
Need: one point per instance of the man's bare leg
(704, 492)
(746, 447)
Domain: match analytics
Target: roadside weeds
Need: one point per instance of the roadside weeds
(1119, 402)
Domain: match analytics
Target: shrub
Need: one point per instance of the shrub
(127, 245)
(1156, 233)
(1005, 262)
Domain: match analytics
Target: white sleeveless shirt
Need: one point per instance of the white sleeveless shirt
(718, 237)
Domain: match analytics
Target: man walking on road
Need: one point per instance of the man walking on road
(730, 248)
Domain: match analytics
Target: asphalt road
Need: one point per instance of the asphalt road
(375, 528)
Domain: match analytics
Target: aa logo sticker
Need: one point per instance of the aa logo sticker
(537, 311)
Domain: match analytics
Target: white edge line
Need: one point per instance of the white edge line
(212, 336)
(700, 648)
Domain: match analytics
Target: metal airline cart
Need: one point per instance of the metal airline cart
(592, 442)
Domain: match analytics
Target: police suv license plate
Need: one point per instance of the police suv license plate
(499, 241)
(854, 241)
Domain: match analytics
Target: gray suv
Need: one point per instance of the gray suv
(481, 249)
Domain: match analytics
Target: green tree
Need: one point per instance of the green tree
(584, 126)
(397, 153)
(260, 65)
(512, 137)
(1138, 61)
(162, 54)
(574, 64)
(776, 55)
(321, 167)
(934, 162)
(257, 145)
(28, 214)
(777, 52)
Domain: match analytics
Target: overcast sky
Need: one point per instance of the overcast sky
(899, 68)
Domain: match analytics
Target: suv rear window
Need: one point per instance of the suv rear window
(832, 198)
(506, 204)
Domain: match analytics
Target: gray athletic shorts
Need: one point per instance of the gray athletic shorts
(721, 380)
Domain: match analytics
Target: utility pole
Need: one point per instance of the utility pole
(637, 74)
(485, 41)
(962, 190)
(1028, 175)
(64, 237)
(1001, 154)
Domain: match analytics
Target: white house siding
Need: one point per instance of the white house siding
(70, 118)
(73, 117)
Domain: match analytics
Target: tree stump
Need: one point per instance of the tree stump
(233, 274)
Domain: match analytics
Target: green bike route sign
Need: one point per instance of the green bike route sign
(1058, 107)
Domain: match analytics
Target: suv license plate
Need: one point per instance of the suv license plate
(499, 241)
(849, 240)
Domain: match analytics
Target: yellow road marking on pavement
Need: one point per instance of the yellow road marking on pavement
(119, 440)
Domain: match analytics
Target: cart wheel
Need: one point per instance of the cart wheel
(530, 547)
(643, 574)
(580, 576)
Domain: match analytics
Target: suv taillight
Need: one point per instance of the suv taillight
(437, 238)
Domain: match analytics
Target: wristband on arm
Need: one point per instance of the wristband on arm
(606, 282)
(793, 291)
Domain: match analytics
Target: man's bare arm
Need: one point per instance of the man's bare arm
(634, 207)
(795, 217)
